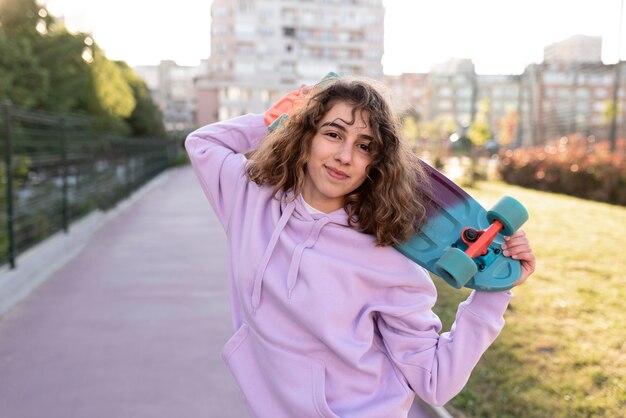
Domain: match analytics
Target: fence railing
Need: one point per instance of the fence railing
(55, 169)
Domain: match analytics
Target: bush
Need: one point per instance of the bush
(574, 165)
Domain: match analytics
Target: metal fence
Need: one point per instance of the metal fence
(55, 170)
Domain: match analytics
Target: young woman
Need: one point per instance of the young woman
(331, 320)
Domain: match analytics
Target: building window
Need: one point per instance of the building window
(444, 105)
(232, 93)
(289, 31)
(326, 35)
(246, 7)
(243, 29)
(265, 96)
(245, 68)
(602, 93)
(445, 92)
(220, 11)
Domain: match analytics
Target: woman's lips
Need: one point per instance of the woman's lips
(336, 174)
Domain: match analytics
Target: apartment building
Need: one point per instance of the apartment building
(565, 98)
(411, 91)
(548, 100)
(503, 93)
(451, 91)
(261, 49)
(172, 88)
(575, 49)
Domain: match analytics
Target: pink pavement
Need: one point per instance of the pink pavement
(134, 325)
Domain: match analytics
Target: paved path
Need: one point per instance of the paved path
(134, 325)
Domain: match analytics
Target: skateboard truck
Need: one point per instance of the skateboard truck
(477, 244)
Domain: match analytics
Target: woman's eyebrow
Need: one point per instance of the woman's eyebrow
(344, 129)
(334, 125)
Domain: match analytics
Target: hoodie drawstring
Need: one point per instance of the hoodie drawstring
(292, 274)
(258, 279)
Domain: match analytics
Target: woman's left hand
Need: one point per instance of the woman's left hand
(518, 247)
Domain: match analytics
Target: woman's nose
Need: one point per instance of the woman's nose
(344, 153)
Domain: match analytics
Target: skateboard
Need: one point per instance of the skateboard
(460, 242)
(280, 110)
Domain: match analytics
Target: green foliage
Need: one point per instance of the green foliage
(19, 18)
(22, 80)
(480, 132)
(146, 119)
(611, 110)
(59, 54)
(410, 129)
(113, 92)
(43, 66)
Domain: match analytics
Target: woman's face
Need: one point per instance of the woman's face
(338, 158)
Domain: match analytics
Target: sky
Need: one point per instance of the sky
(500, 36)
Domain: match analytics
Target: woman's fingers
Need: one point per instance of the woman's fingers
(518, 247)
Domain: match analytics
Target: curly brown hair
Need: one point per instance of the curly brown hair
(390, 204)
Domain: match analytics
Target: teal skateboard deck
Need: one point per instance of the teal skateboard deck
(461, 242)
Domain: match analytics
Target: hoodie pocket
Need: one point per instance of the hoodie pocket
(276, 383)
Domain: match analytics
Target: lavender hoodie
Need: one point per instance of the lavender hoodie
(327, 323)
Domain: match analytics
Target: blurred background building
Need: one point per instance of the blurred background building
(570, 92)
(261, 49)
(578, 48)
(172, 88)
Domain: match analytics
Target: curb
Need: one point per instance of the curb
(433, 411)
(36, 265)
(441, 412)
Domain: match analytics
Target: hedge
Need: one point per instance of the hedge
(576, 166)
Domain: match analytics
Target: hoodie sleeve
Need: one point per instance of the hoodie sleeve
(216, 154)
(438, 366)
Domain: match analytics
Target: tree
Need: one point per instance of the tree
(410, 129)
(507, 126)
(22, 80)
(19, 18)
(610, 110)
(60, 55)
(437, 133)
(479, 133)
(146, 119)
(113, 92)
(43, 66)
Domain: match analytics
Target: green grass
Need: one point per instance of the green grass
(562, 352)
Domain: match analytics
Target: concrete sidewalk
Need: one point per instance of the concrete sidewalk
(131, 327)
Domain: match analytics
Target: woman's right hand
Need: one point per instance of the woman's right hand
(517, 246)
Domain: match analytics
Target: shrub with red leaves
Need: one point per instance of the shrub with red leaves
(576, 166)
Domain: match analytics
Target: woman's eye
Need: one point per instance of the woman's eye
(364, 147)
(333, 135)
